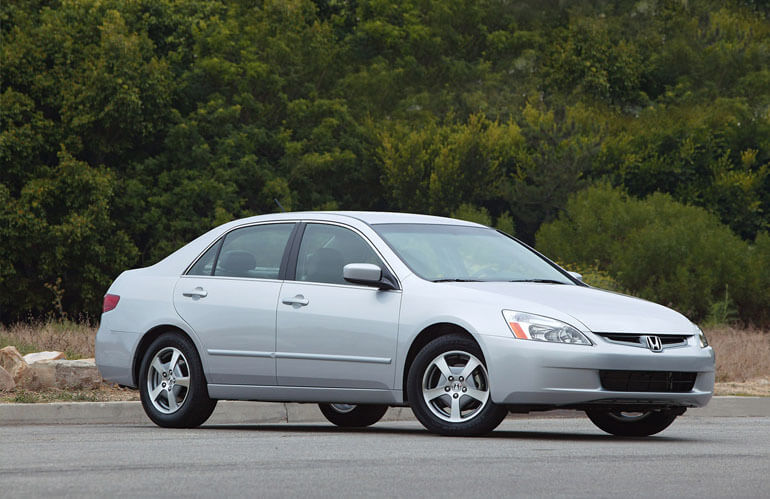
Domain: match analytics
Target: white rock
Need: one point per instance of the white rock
(6, 381)
(31, 358)
(12, 361)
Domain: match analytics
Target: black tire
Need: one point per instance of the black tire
(481, 418)
(623, 425)
(193, 405)
(353, 416)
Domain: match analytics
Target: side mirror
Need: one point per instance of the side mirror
(367, 274)
(576, 275)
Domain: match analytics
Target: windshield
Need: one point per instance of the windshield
(466, 253)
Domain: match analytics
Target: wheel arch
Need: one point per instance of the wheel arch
(146, 341)
(424, 337)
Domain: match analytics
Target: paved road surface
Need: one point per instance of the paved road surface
(696, 457)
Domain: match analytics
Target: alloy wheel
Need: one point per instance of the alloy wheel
(168, 380)
(455, 386)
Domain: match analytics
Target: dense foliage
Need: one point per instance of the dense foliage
(678, 255)
(129, 127)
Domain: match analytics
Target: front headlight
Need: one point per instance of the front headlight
(702, 339)
(536, 327)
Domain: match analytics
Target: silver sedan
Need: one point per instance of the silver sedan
(359, 311)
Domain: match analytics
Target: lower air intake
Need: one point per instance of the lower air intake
(647, 381)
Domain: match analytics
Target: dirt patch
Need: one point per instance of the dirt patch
(106, 393)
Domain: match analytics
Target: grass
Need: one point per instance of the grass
(75, 339)
(743, 357)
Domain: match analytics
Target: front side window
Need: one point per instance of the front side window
(255, 251)
(326, 249)
(466, 253)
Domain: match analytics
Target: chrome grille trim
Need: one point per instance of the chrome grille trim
(638, 340)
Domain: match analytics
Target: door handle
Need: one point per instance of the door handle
(199, 292)
(297, 300)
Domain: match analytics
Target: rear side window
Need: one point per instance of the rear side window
(255, 251)
(205, 264)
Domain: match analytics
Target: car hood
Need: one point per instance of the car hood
(598, 310)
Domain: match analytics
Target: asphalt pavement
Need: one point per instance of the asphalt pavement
(540, 457)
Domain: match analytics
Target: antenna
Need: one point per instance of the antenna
(279, 205)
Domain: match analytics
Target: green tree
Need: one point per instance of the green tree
(59, 241)
(438, 168)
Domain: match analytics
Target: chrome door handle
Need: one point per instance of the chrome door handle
(297, 300)
(199, 292)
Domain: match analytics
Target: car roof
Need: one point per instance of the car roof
(368, 217)
(384, 217)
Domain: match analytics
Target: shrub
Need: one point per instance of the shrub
(594, 276)
(659, 249)
(757, 303)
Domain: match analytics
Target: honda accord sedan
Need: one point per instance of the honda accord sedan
(360, 311)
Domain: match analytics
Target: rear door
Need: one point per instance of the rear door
(331, 333)
(229, 298)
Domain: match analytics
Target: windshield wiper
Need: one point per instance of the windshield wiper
(541, 281)
(456, 280)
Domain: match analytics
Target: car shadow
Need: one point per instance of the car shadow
(598, 437)
(313, 428)
(422, 433)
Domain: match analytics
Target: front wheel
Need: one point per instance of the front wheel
(631, 424)
(353, 416)
(172, 386)
(448, 388)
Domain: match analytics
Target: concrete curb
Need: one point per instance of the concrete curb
(227, 412)
(234, 412)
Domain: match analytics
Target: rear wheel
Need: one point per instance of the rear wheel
(172, 386)
(352, 415)
(448, 388)
(631, 424)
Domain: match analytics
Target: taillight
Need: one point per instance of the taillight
(110, 302)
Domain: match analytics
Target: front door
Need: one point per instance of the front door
(331, 333)
(229, 298)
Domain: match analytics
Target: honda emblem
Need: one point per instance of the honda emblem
(654, 343)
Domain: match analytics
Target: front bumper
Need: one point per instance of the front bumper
(534, 373)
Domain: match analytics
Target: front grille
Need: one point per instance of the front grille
(647, 381)
(637, 340)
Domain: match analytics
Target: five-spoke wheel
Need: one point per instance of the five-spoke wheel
(455, 386)
(168, 380)
(448, 388)
(172, 385)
